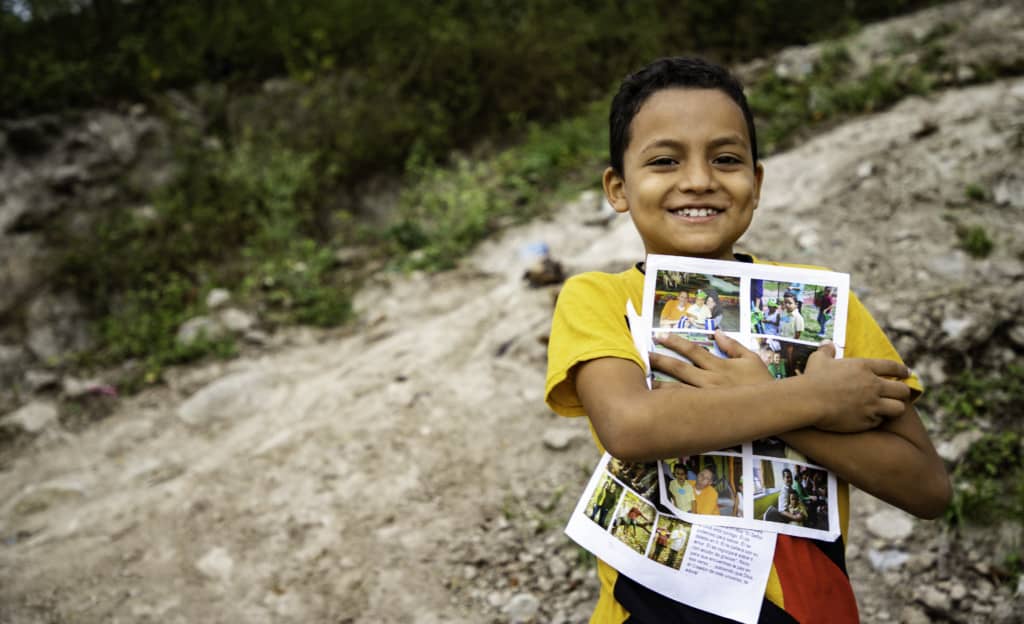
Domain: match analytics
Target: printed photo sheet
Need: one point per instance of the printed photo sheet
(620, 519)
(783, 314)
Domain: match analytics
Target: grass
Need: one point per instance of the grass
(988, 482)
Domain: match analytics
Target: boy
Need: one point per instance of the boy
(681, 490)
(791, 322)
(684, 166)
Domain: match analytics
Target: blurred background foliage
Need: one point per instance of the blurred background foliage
(286, 116)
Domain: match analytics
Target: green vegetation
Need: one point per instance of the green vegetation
(975, 241)
(975, 192)
(783, 106)
(988, 483)
(270, 173)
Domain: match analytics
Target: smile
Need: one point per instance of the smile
(696, 212)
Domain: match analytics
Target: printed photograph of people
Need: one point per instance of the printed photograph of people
(670, 535)
(791, 310)
(697, 301)
(784, 358)
(792, 494)
(602, 503)
(641, 477)
(707, 341)
(707, 484)
(634, 522)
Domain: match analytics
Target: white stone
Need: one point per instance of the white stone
(865, 169)
(216, 564)
(32, 418)
(199, 327)
(217, 297)
(955, 328)
(521, 608)
(953, 450)
(886, 560)
(236, 320)
(558, 439)
(914, 615)
(226, 397)
(934, 599)
(891, 525)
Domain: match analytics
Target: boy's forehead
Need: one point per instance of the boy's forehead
(675, 112)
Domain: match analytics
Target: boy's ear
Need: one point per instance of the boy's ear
(615, 190)
(758, 180)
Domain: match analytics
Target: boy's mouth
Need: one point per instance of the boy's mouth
(696, 212)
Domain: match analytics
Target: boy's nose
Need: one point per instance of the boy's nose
(696, 177)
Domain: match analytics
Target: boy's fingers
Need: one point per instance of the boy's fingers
(691, 351)
(893, 389)
(891, 408)
(683, 371)
(888, 368)
(731, 347)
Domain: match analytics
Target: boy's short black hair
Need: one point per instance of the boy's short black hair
(667, 73)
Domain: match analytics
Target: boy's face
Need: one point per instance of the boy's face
(789, 303)
(688, 181)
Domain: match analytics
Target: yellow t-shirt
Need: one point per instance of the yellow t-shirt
(590, 323)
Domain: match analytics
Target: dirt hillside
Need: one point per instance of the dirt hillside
(407, 470)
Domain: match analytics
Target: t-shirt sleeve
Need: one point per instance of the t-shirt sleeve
(865, 339)
(589, 323)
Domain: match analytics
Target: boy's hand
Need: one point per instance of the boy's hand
(857, 393)
(742, 367)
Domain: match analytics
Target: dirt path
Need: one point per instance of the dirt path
(408, 471)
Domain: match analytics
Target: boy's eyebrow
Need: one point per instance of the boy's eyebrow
(728, 139)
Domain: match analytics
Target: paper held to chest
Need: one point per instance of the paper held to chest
(701, 530)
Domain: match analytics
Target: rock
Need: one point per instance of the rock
(558, 439)
(934, 599)
(891, 525)
(217, 297)
(199, 327)
(956, 328)
(953, 450)
(951, 266)
(914, 615)
(216, 564)
(521, 608)
(1009, 192)
(226, 397)
(74, 388)
(38, 380)
(921, 562)
(558, 567)
(887, 560)
(236, 320)
(1016, 335)
(865, 169)
(38, 498)
(32, 418)
(1004, 612)
(957, 592)
(56, 326)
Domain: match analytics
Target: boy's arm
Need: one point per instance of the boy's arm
(895, 462)
(635, 423)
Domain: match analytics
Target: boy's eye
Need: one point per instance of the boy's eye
(662, 161)
(727, 159)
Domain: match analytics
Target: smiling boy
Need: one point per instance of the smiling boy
(683, 164)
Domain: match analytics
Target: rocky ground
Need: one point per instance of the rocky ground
(405, 469)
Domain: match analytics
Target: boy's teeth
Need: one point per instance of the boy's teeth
(694, 212)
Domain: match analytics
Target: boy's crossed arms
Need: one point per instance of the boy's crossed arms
(852, 416)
